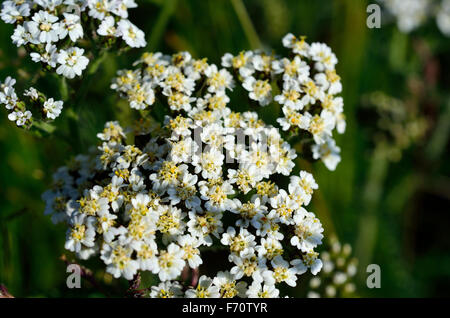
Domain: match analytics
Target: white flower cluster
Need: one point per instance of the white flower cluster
(52, 29)
(205, 181)
(18, 112)
(411, 14)
(174, 78)
(309, 87)
(336, 277)
(308, 84)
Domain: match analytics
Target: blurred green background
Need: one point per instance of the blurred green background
(394, 210)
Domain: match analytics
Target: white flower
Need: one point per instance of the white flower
(71, 26)
(185, 191)
(49, 57)
(11, 13)
(131, 34)
(245, 177)
(290, 97)
(81, 233)
(107, 27)
(51, 4)
(98, 9)
(308, 232)
(21, 36)
(228, 286)
(44, 27)
(179, 101)
(92, 203)
(105, 226)
(32, 93)
(21, 118)
(250, 266)
(52, 108)
(241, 62)
(175, 80)
(8, 83)
(120, 8)
(321, 126)
(111, 131)
(295, 71)
(313, 92)
(167, 289)
(8, 94)
(118, 259)
(281, 272)
(203, 226)
(189, 245)
(141, 96)
(209, 163)
(324, 57)
(170, 262)
(217, 196)
(298, 46)
(262, 62)
(170, 221)
(293, 118)
(310, 260)
(218, 80)
(72, 61)
(328, 152)
(284, 207)
(269, 248)
(331, 83)
(261, 290)
(249, 212)
(268, 225)
(167, 176)
(204, 289)
(241, 244)
(147, 256)
(259, 90)
(305, 181)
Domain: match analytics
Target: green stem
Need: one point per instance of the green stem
(368, 224)
(440, 135)
(44, 127)
(97, 62)
(74, 132)
(161, 24)
(74, 110)
(87, 81)
(63, 89)
(246, 24)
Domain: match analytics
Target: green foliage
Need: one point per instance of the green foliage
(393, 213)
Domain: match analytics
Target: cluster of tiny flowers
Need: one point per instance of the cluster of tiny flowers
(52, 30)
(203, 181)
(309, 88)
(174, 79)
(411, 14)
(336, 277)
(18, 112)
